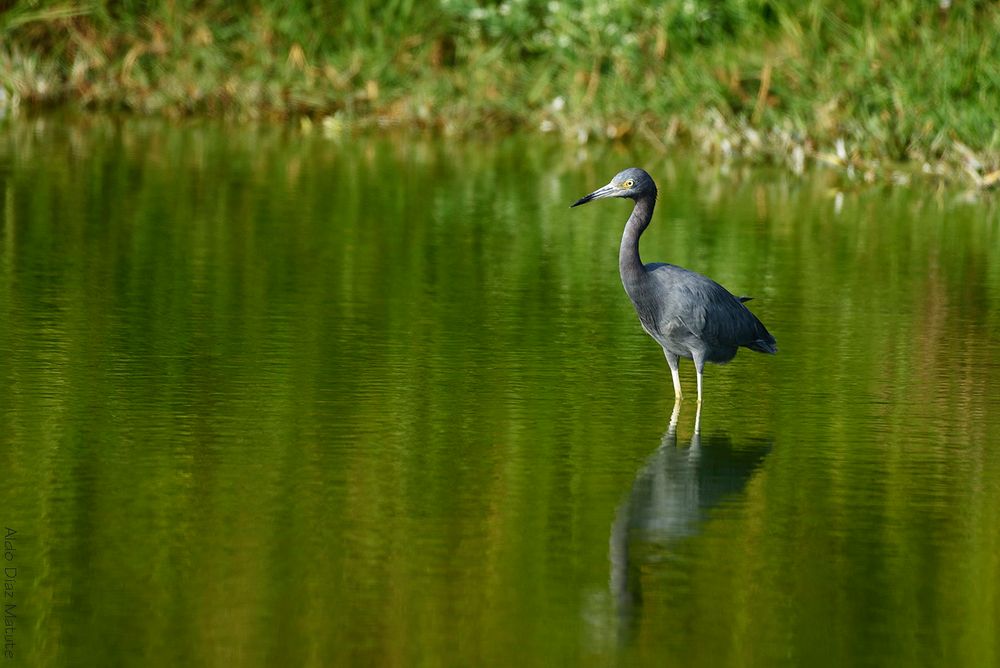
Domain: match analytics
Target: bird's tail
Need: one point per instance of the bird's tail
(763, 341)
(766, 344)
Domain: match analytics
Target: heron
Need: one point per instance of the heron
(689, 315)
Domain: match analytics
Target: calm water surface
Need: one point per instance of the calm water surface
(274, 399)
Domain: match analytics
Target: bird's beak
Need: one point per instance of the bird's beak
(607, 191)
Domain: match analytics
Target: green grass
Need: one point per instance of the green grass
(880, 89)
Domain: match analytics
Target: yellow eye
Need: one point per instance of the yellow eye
(629, 183)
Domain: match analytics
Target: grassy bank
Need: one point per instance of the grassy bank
(882, 90)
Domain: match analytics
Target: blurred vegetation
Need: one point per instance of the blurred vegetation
(855, 84)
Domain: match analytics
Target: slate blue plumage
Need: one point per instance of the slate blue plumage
(688, 314)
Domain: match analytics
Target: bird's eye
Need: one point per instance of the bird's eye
(629, 183)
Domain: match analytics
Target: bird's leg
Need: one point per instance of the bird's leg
(673, 362)
(699, 365)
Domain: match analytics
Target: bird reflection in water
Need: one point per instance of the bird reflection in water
(670, 500)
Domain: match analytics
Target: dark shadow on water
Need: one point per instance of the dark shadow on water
(670, 499)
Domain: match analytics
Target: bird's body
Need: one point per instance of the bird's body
(688, 314)
(692, 316)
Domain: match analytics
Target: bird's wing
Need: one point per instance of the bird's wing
(707, 310)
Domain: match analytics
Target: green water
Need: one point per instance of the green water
(273, 399)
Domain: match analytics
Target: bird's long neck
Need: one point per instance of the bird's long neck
(629, 262)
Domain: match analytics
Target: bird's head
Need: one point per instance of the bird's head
(633, 183)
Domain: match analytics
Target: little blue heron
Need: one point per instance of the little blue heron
(688, 314)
